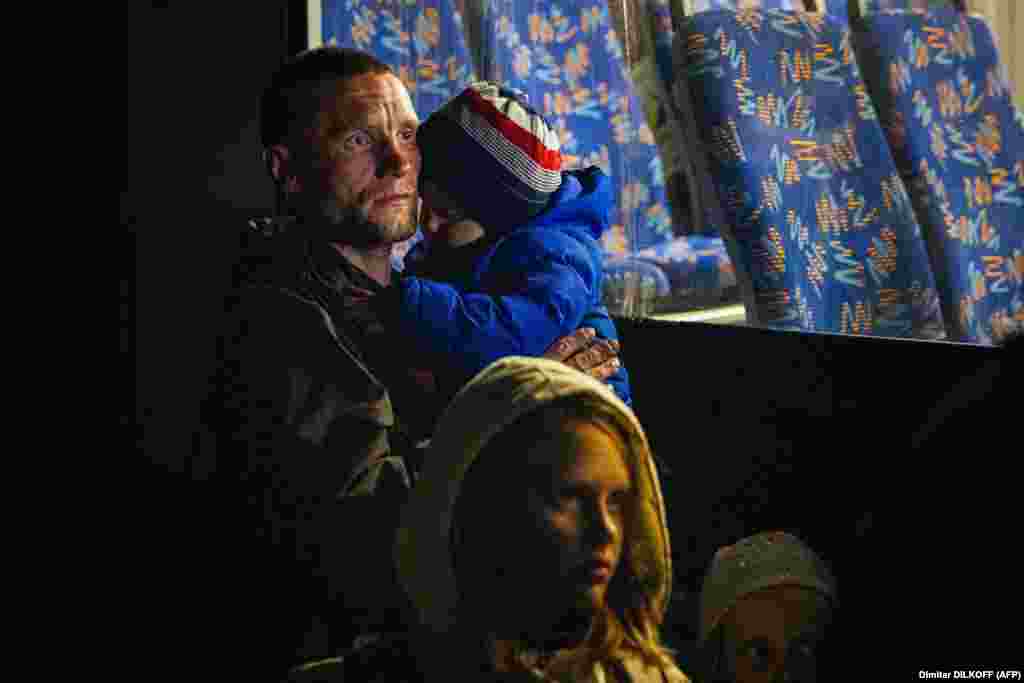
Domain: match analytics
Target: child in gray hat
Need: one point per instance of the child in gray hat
(764, 607)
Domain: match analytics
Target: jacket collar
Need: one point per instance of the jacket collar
(337, 272)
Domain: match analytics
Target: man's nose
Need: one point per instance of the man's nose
(396, 158)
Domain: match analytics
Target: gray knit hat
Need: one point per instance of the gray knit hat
(764, 560)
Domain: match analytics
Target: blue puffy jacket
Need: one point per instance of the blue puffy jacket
(536, 283)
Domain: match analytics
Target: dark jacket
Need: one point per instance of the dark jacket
(316, 463)
(521, 292)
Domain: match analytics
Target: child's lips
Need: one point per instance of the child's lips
(395, 198)
(597, 571)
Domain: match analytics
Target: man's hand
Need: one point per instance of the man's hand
(582, 350)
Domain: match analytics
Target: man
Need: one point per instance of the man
(511, 241)
(323, 416)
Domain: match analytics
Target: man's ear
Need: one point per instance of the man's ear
(278, 159)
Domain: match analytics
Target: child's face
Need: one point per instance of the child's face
(773, 635)
(561, 536)
(443, 221)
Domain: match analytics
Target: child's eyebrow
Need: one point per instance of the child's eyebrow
(590, 487)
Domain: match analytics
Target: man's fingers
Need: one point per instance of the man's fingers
(599, 360)
(604, 370)
(598, 353)
(565, 347)
(586, 353)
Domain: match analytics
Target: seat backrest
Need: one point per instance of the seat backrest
(842, 10)
(570, 63)
(652, 79)
(694, 6)
(865, 7)
(957, 138)
(819, 222)
(424, 42)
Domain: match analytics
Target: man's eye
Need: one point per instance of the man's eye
(409, 135)
(357, 139)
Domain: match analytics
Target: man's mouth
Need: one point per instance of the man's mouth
(394, 199)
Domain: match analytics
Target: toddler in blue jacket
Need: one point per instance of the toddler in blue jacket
(510, 259)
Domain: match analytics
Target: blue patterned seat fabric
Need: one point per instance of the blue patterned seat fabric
(569, 60)
(694, 205)
(693, 267)
(696, 6)
(423, 41)
(877, 6)
(696, 262)
(958, 141)
(840, 9)
(820, 223)
(663, 32)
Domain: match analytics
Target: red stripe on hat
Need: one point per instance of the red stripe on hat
(530, 144)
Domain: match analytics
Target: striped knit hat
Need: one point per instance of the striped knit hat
(492, 154)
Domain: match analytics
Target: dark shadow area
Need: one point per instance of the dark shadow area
(192, 176)
(889, 457)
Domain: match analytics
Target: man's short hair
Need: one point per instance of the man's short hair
(287, 99)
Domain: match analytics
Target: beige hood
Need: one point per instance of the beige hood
(501, 393)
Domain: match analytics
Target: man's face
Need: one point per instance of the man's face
(773, 635)
(356, 166)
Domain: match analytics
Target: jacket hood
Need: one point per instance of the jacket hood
(500, 394)
(583, 202)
